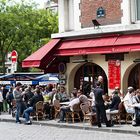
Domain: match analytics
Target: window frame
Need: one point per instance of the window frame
(134, 11)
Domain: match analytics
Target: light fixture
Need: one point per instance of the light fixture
(82, 60)
(137, 60)
(79, 61)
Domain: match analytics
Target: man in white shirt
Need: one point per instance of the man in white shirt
(129, 101)
(68, 108)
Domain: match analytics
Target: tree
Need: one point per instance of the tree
(24, 28)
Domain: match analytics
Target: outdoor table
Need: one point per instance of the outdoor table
(64, 103)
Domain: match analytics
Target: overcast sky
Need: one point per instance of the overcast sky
(40, 2)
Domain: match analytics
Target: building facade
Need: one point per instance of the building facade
(96, 37)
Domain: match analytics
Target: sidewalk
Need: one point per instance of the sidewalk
(124, 128)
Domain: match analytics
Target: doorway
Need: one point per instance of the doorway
(87, 75)
(134, 77)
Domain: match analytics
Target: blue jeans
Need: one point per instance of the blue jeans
(18, 110)
(63, 112)
(27, 112)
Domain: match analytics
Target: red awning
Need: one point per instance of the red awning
(103, 45)
(114, 44)
(42, 56)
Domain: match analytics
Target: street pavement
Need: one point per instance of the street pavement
(118, 129)
(13, 131)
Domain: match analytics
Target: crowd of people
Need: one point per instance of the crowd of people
(25, 98)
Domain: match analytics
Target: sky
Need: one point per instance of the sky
(40, 2)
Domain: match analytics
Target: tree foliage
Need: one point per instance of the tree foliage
(24, 28)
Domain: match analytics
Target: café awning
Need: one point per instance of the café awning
(99, 45)
(42, 56)
(102, 45)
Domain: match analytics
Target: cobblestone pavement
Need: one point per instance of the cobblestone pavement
(12, 131)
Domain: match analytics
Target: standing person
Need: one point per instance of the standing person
(99, 104)
(17, 93)
(4, 93)
(9, 99)
(1, 101)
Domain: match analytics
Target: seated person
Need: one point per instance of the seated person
(48, 102)
(128, 103)
(63, 95)
(82, 98)
(73, 95)
(129, 100)
(68, 108)
(137, 98)
(121, 95)
(36, 98)
(113, 107)
(136, 106)
(56, 96)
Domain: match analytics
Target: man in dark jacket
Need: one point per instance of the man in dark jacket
(36, 98)
(113, 107)
(99, 104)
(115, 101)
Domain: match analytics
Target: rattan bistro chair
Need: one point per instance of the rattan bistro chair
(39, 110)
(75, 112)
(56, 105)
(121, 114)
(87, 113)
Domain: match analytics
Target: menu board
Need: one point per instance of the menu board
(114, 73)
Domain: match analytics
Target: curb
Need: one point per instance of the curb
(109, 130)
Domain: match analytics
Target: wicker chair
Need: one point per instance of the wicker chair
(119, 114)
(129, 116)
(87, 113)
(39, 110)
(122, 114)
(56, 105)
(75, 112)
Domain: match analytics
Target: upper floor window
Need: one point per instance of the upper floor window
(138, 9)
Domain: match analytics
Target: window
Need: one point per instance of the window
(138, 9)
(135, 11)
